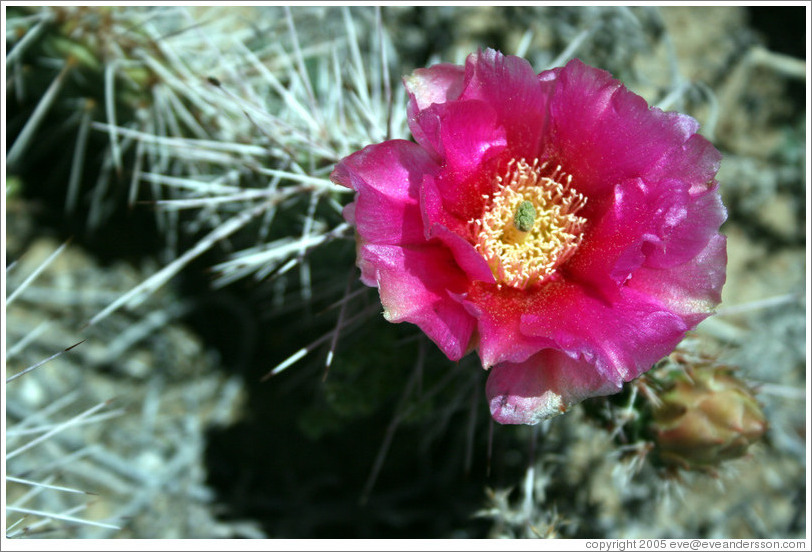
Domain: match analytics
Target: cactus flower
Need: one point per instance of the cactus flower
(554, 223)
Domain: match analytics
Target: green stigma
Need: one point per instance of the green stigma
(525, 216)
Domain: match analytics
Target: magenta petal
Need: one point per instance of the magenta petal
(468, 258)
(622, 339)
(613, 246)
(467, 136)
(543, 386)
(348, 212)
(419, 285)
(471, 134)
(653, 224)
(696, 161)
(435, 213)
(499, 312)
(686, 236)
(510, 86)
(691, 290)
(606, 133)
(387, 177)
(433, 85)
(463, 134)
(446, 203)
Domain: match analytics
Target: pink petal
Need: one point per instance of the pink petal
(469, 139)
(468, 258)
(613, 245)
(433, 85)
(543, 386)
(452, 202)
(685, 237)
(418, 284)
(510, 86)
(463, 134)
(695, 162)
(387, 177)
(471, 134)
(498, 311)
(691, 290)
(605, 134)
(658, 224)
(622, 339)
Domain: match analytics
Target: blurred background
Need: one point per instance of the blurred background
(190, 354)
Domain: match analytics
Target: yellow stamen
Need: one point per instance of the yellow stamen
(530, 225)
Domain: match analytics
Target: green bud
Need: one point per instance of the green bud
(706, 416)
(525, 216)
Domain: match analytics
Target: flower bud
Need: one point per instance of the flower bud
(707, 415)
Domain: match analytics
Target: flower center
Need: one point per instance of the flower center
(530, 225)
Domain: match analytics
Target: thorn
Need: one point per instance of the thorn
(74, 345)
